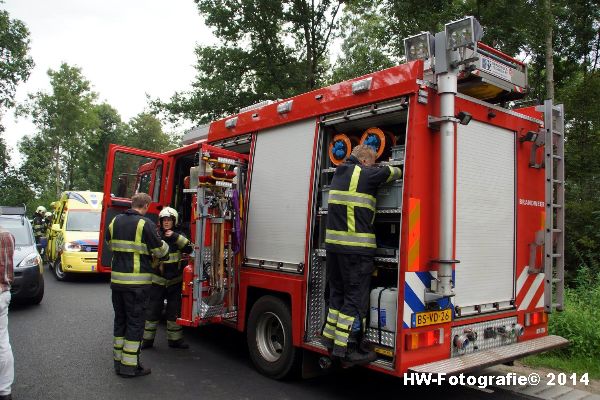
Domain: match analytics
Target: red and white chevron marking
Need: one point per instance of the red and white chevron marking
(530, 290)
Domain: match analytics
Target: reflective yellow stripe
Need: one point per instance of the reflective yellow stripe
(125, 278)
(350, 218)
(342, 344)
(181, 241)
(354, 234)
(138, 241)
(353, 194)
(395, 173)
(160, 251)
(354, 179)
(110, 229)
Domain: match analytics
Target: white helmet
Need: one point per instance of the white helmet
(169, 212)
(48, 214)
(41, 210)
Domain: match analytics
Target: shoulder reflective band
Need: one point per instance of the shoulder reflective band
(354, 179)
(138, 242)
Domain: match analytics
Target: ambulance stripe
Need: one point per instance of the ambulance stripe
(531, 292)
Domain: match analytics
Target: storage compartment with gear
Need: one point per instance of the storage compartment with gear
(383, 127)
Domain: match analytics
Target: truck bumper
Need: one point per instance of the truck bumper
(487, 358)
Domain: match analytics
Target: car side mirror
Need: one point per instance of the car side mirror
(55, 227)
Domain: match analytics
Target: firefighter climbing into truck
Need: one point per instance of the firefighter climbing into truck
(468, 245)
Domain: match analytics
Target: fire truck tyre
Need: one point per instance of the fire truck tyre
(269, 335)
(59, 274)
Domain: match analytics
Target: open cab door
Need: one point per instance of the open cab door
(129, 171)
(210, 283)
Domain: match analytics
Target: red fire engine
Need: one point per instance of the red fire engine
(469, 260)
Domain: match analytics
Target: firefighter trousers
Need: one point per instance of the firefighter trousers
(158, 294)
(130, 311)
(349, 280)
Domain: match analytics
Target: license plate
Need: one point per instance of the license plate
(431, 318)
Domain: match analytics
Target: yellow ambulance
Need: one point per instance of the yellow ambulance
(73, 242)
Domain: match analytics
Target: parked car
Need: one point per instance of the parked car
(28, 285)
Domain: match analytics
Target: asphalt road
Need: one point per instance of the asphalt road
(63, 350)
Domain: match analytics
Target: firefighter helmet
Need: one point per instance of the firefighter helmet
(48, 214)
(41, 210)
(168, 212)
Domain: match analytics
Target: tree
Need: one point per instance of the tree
(15, 62)
(145, 132)
(65, 119)
(15, 66)
(271, 49)
(110, 130)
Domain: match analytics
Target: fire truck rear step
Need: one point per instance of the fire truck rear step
(487, 358)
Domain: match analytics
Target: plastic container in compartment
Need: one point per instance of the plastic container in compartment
(390, 196)
(382, 308)
(324, 197)
(398, 152)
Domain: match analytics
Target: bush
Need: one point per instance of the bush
(579, 322)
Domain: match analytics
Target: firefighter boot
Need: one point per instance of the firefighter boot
(146, 344)
(356, 354)
(117, 367)
(178, 344)
(134, 372)
(328, 343)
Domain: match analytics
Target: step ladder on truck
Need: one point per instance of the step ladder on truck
(469, 242)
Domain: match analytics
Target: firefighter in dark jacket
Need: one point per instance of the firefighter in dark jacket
(166, 283)
(350, 244)
(39, 231)
(134, 241)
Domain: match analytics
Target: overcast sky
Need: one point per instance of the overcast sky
(126, 48)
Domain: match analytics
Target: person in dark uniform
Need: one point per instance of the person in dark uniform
(350, 244)
(39, 229)
(166, 283)
(134, 241)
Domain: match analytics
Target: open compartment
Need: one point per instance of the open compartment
(383, 126)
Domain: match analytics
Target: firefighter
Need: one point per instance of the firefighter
(48, 221)
(350, 245)
(166, 283)
(133, 240)
(39, 229)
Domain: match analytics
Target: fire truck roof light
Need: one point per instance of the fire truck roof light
(285, 107)
(362, 86)
(231, 123)
(419, 47)
(463, 33)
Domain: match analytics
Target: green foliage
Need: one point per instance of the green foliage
(65, 119)
(270, 49)
(578, 323)
(69, 149)
(145, 132)
(15, 62)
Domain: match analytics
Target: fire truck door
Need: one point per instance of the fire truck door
(129, 171)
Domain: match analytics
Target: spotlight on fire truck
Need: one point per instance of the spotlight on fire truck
(463, 33)
(464, 117)
(419, 47)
